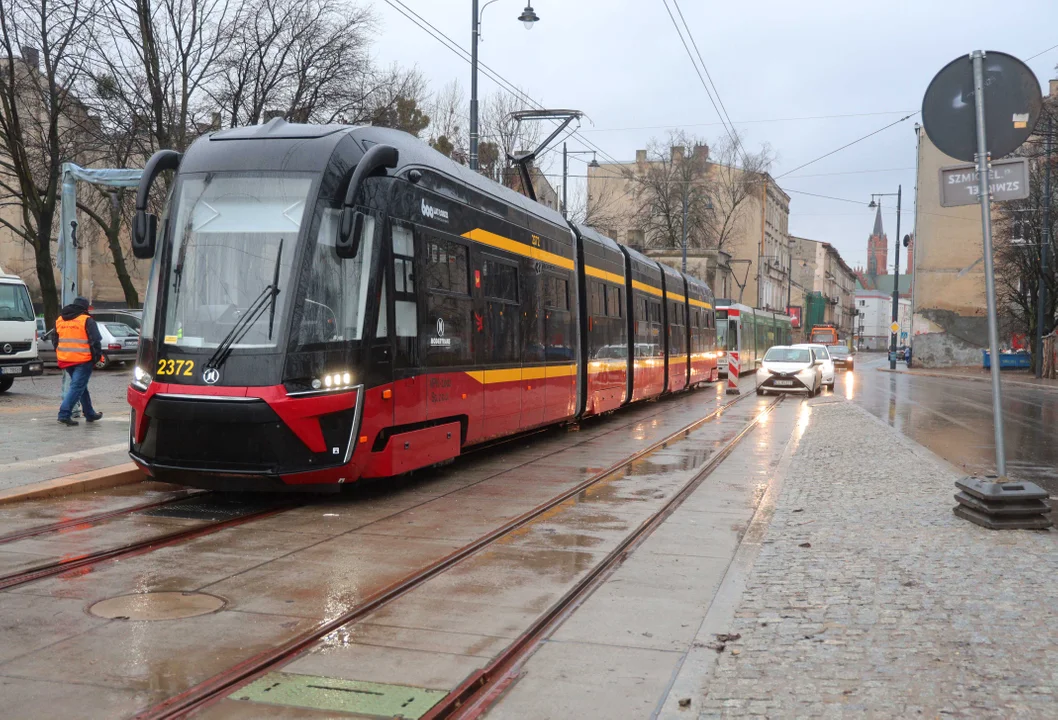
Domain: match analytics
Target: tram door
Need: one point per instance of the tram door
(401, 282)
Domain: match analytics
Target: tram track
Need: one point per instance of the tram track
(96, 518)
(139, 547)
(478, 686)
(67, 564)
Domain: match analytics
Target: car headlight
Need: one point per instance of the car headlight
(140, 378)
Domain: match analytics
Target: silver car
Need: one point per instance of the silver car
(119, 343)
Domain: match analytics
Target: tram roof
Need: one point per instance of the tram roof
(315, 141)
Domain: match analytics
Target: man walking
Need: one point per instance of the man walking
(77, 348)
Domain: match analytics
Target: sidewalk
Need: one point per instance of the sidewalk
(36, 448)
(1013, 377)
(870, 598)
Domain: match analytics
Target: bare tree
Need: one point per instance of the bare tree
(734, 180)
(596, 209)
(449, 122)
(675, 170)
(397, 99)
(162, 56)
(503, 136)
(1019, 239)
(42, 123)
(306, 61)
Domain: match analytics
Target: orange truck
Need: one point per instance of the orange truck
(824, 335)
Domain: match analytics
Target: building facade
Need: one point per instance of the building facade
(752, 267)
(876, 315)
(819, 269)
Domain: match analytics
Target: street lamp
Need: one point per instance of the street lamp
(528, 18)
(896, 270)
(565, 168)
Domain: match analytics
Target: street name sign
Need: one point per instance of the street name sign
(894, 327)
(1007, 180)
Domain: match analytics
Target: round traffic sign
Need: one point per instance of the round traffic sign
(1012, 106)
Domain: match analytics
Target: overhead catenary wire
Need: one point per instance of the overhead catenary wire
(847, 145)
(453, 46)
(750, 122)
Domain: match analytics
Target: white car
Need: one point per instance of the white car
(790, 369)
(823, 353)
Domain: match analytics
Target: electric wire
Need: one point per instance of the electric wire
(749, 122)
(504, 84)
(847, 145)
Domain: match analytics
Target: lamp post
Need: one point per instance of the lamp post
(528, 18)
(565, 171)
(896, 270)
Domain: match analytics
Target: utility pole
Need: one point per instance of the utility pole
(1045, 239)
(565, 180)
(475, 30)
(896, 282)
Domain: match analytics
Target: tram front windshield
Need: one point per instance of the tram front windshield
(233, 244)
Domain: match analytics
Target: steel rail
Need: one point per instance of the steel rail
(215, 688)
(95, 518)
(132, 549)
(477, 693)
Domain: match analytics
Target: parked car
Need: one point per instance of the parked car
(823, 354)
(790, 369)
(842, 357)
(132, 318)
(119, 343)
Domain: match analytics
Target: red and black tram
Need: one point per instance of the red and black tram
(329, 303)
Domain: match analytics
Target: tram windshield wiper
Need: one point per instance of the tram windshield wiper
(267, 299)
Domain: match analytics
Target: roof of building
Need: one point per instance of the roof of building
(878, 231)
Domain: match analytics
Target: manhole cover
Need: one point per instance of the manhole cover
(157, 606)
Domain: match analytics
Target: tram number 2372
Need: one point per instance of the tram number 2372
(176, 367)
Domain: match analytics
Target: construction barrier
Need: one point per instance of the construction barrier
(733, 370)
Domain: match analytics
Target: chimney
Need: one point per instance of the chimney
(1054, 88)
(31, 56)
(677, 153)
(701, 152)
(641, 157)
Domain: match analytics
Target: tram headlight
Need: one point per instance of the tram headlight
(341, 380)
(140, 378)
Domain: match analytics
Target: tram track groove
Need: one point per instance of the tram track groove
(219, 686)
(97, 517)
(58, 567)
(132, 549)
(476, 694)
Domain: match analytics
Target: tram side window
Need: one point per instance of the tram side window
(500, 280)
(556, 292)
(446, 267)
(405, 305)
(613, 301)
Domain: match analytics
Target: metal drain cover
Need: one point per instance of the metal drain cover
(157, 606)
(210, 508)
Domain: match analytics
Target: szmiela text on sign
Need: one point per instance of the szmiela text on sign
(1007, 180)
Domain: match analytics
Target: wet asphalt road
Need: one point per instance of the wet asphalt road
(953, 418)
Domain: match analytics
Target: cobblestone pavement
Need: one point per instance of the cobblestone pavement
(870, 598)
(34, 447)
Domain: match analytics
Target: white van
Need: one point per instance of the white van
(18, 333)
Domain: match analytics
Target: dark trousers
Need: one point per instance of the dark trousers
(78, 391)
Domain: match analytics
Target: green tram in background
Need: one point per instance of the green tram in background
(750, 332)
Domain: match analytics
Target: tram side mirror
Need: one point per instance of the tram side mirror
(145, 224)
(350, 230)
(144, 235)
(351, 223)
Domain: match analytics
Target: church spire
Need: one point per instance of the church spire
(878, 232)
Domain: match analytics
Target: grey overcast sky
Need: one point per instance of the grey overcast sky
(775, 64)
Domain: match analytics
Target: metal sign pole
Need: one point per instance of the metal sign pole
(990, 284)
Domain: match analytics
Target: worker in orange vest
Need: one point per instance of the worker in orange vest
(77, 349)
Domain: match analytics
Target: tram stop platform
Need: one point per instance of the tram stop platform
(37, 449)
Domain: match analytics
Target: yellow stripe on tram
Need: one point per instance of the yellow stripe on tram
(637, 285)
(674, 296)
(518, 248)
(502, 375)
(699, 303)
(603, 275)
